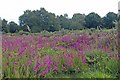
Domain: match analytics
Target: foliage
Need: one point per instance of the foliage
(109, 19)
(77, 21)
(21, 32)
(96, 74)
(4, 26)
(92, 20)
(13, 27)
(40, 20)
(46, 33)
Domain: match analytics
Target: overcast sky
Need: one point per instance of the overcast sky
(12, 9)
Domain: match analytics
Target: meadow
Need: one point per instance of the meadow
(62, 54)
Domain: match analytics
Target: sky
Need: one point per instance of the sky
(12, 9)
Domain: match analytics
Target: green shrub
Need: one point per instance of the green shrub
(23, 32)
(112, 67)
(99, 61)
(46, 33)
(96, 74)
(95, 56)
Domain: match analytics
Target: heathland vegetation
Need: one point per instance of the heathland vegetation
(44, 45)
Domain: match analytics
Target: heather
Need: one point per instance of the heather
(64, 54)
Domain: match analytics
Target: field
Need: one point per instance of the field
(65, 54)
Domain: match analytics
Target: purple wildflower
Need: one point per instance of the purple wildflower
(44, 72)
(84, 61)
(15, 62)
(11, 55)
(37, 66)
(21, 51)
(55, 68)
(30, 62)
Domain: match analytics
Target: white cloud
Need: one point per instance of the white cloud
(12, 9)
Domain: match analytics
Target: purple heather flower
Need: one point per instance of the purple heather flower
(44, 72)
(50, 62)
(80, 53)
(55, 68)
(84, 61)
(15, 62)
(21, 51)
(118, 55)
(30, 62)
(10, 55)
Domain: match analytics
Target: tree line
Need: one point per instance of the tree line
(39, 20)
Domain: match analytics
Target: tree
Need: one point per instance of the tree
(66, 15)
(92, 20)
(53, 24)
(77, 21)
(4, 26)
(109, 19)
(13, 27)
(64, 21)
(39, 20)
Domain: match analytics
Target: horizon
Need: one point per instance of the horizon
(17, 7)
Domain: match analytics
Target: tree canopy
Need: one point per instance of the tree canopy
(39, 20)
(92, 20)
(109, 19)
